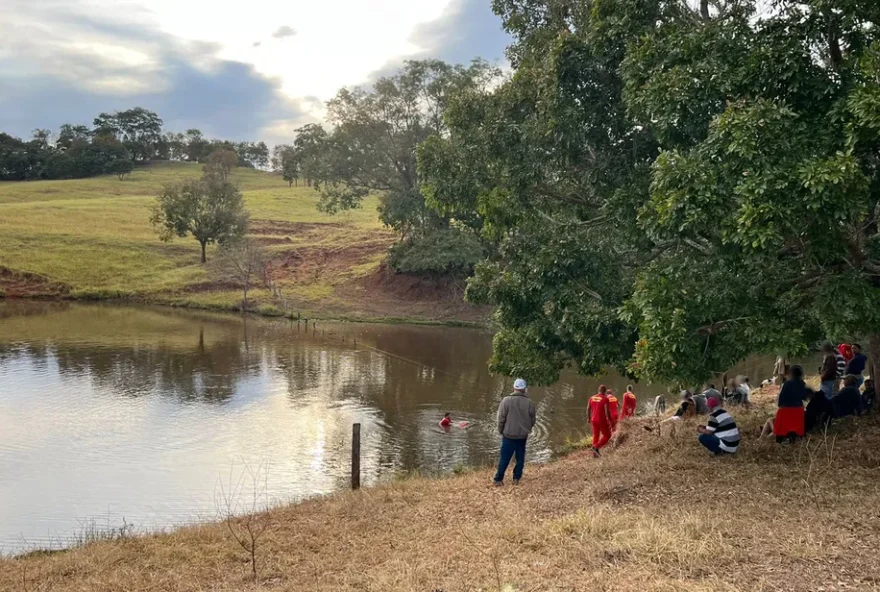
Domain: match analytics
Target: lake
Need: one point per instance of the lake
(152, 417)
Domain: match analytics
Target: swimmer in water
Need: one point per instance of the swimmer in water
(446, 422)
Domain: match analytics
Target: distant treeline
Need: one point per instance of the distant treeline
(113, 144)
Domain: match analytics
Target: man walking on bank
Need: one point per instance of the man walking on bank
(516, 418)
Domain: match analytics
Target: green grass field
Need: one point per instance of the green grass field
(93, 237)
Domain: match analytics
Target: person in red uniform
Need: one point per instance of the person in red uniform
(446, 422)
(629, 403)
(600, 419)
(613, 409)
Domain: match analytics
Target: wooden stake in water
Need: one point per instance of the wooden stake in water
(356, 456)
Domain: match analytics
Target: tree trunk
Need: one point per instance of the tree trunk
(704, 9)
(873, 354)
(244, 298)
(204, 244)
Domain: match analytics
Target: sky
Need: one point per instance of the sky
(253, 70)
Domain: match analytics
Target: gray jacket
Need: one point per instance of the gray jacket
(516, 416)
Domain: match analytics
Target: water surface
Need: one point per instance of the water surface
(150, 416)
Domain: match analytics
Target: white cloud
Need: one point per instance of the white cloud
(304, 50)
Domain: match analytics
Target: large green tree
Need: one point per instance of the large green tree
(672, 187)
(139, 129)
(372, 149)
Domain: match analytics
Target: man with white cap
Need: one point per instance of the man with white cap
(516, 418)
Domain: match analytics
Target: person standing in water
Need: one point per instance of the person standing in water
(629, 403)
(446, 422)
(516, 418)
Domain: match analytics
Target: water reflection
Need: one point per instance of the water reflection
(110, 411)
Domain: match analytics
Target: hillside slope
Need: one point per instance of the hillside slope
(655, 514)
(91, 238)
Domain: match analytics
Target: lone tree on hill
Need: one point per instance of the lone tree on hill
(220, 162)
(119, 167)
(210, 209)
(242, 261)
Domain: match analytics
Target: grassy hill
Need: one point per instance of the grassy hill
(91, 239)
(655, 514)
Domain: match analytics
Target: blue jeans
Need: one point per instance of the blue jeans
(827, 387)
(509, 448)
(861, 380)
(711, 442)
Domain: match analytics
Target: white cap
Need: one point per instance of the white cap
(519, 384)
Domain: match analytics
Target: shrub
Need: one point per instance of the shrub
(443, 251)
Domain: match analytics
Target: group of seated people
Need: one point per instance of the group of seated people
(800, 409)
(793, 419)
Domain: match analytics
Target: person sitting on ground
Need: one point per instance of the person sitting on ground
(720, 435)
(849, 400)
(446, 422)
(710, 391)
(818, 413)
(869, 396)
(734, 395)
(857, 364)
(687, 408)
(828, 371)
(746, 387)
(789, 420)
(629, 403)
(700, 404)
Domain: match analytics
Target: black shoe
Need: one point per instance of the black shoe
(595, 452)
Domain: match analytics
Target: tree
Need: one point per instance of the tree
(252, 154)
(242, 261)
(71, 134)
(220, 162)
(672, 188)
(119, 167)
(286, 161)
(210, 209)
(139, 129)
(778, 183)
(196, 147)
(556, 171)
(42, 137)
(20, 160)
(309, 146)
(372, 148)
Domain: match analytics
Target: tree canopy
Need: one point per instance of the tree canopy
(671, 188)
(372, 150)
(210, 209)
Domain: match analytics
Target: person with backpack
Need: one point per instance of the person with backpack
(516, 418)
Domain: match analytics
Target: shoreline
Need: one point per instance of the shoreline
(267, 311)
(654, 514)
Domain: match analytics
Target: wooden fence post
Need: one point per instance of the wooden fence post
(356, 456)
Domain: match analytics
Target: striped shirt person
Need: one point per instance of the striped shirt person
(720, 436)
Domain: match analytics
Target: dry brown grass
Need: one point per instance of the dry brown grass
(655, 514)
